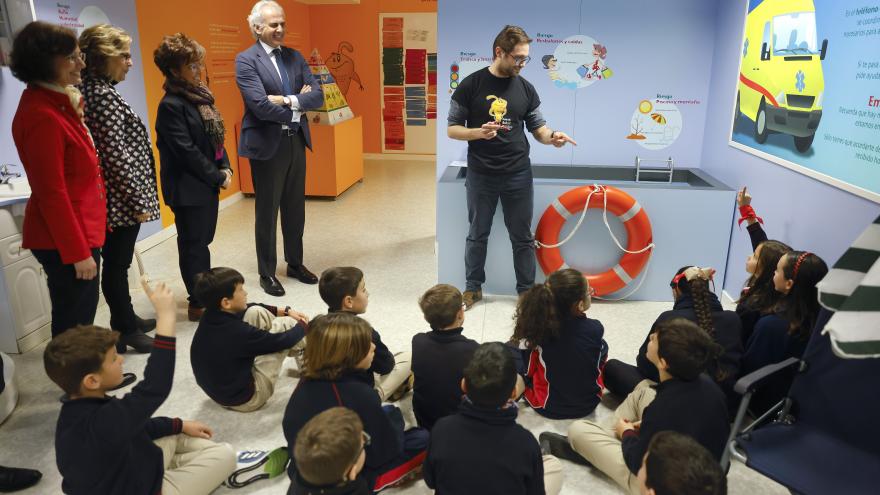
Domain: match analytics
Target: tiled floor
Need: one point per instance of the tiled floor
(385, 226)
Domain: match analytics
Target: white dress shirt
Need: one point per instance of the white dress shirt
(294, 103)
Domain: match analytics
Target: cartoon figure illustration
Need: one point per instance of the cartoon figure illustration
(781, 81)
(498, 109)
(551, 64)
(342, 67)
(598, 69)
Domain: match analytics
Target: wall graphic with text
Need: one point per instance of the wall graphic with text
(808, 90)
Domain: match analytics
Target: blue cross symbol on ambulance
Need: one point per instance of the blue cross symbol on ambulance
(799, 84)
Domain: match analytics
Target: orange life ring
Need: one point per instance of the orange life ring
(625, 207)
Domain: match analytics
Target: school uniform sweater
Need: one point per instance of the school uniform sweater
(106, 445)
(383, 360)
(565, 375)
(696, 408)
(438, 361)
(483, 450)
(727, 327)
(353, 390)
(771, 343)
(299, 486)
(223, 351)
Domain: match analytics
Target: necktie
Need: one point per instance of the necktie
(282, 68)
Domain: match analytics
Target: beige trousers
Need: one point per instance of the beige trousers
(385, 385)
(268, 366)
(552, 475)
(194, 466)
(600, 445)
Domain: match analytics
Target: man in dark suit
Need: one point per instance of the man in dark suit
(277, 87)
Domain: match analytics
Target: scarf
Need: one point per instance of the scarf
(203, 99)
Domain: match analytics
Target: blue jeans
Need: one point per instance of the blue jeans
(516, 192)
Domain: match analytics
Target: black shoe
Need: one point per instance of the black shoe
(14, 479)
(302, 274)
(127, 379)
(140, 341)
(272, 286)
(558, 445)
(145, 325)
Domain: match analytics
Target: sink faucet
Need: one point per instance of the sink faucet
(5, 174)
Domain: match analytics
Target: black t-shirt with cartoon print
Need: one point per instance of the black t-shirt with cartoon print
(482, 97)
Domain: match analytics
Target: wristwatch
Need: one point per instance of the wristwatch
(287, 311)
(553, 135)
(286, 101)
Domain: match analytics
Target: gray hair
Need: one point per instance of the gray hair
(256, 16)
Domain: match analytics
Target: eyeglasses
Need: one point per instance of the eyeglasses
(591, 292)
(76, 56)
(520, 60)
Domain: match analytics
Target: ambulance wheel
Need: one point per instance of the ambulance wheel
(761, 123)
(803, 143)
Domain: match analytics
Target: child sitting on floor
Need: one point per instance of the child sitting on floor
(114, 446)
(676, 464)
(337, 362)
(686, 401)
(481, 449)
(565, 352)
(238, 348)
(330, 451)
(345, 290)
(439, 356)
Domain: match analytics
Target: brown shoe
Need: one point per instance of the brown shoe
(194, 313)
(471, 297)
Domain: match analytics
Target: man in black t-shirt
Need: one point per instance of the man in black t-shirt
(489, 110)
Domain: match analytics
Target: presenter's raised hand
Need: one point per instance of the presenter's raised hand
(488, 130)
(743, 198)
(559, 138)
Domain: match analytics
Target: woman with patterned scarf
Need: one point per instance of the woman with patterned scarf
(193, 165)
(129, 171)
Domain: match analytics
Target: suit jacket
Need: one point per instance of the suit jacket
(257, 78)
(67, 210)
(190, 174)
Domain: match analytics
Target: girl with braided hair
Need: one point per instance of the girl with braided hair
(564, 351)
(785, 332)
(695, 302)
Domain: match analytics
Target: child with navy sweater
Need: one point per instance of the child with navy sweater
(481, 449)
(337, 363)
(564, 351)
(686, 401)
(344, 289)
(109, 445)
(439, 356)
(238, 349)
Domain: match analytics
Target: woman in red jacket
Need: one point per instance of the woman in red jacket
(66, 215)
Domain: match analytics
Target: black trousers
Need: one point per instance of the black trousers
(195, 232)
(280, 183)
(621, 378)
(117, 254)
(74, 301)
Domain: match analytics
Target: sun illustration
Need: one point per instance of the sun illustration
(645, 106)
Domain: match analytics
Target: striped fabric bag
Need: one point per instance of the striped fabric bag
(852, 290)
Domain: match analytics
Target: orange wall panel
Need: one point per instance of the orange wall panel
(224, 32)
(359, 25)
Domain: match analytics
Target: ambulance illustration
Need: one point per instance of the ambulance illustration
(780, 81)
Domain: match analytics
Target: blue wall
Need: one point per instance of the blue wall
(803, 212)
(652, 47)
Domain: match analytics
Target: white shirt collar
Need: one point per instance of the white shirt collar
(267, 48)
